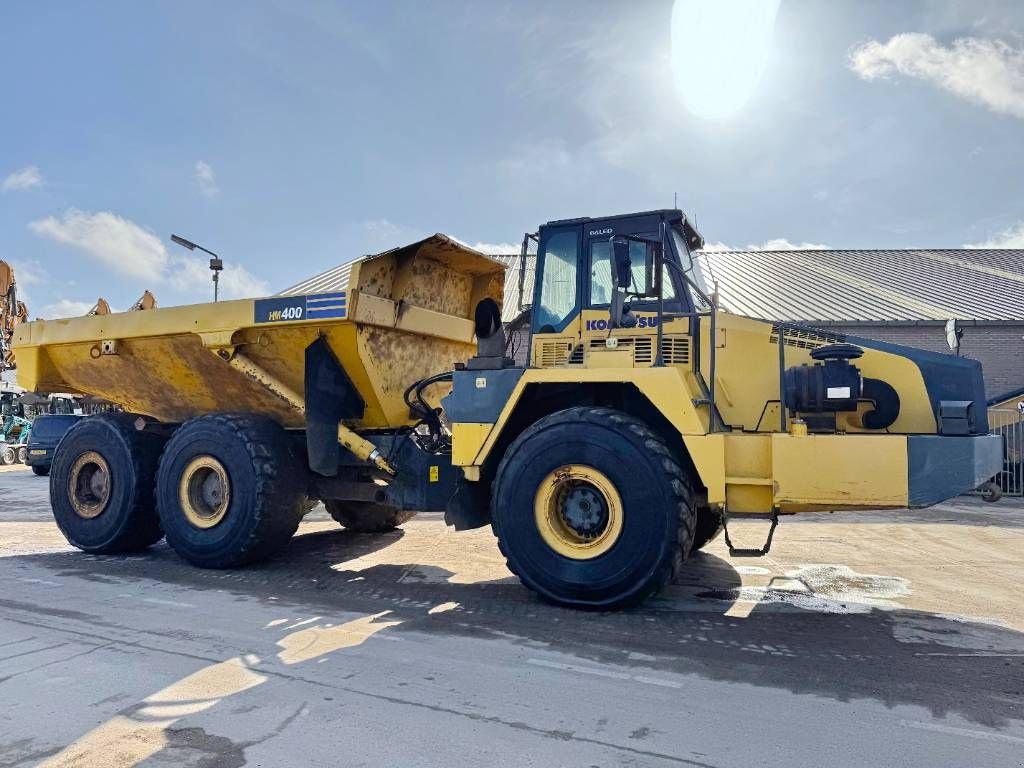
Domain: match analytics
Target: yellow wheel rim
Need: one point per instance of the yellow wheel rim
(204, 492)
(578, 512)
(89, 485)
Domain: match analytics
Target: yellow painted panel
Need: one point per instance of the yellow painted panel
(748, 455)
(748, 470)
(467, 437)
(708, 455)
(671, 390)
(747, 369)
(839, 471)
(611, 358)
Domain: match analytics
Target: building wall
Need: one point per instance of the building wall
(999, 347)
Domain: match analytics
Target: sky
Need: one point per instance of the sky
(293, 136)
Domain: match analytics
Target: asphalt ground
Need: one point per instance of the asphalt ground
(864, 639)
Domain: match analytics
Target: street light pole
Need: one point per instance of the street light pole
(216, 264)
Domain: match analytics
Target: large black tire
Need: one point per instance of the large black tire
(709, 527)
(262, 500)
(40, 470)
(657, 508)
(101, 485)
(366, 516)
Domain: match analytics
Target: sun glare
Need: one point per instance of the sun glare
(719, 52)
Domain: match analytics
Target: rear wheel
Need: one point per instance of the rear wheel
(40, 470)
(101, 485)
(22, 455)
(7, 455)
(592, 510)
(366, 516)
(228, 490)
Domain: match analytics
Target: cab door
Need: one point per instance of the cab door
(556, 298)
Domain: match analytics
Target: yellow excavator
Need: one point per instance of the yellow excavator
(646, 420)
(12, 313)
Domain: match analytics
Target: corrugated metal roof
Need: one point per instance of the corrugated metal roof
(332, 280)
(836, 285)
(825, 285)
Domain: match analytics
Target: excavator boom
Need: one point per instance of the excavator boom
(12, 313)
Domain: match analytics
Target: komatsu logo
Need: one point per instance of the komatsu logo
(599, 232)
(641, 322)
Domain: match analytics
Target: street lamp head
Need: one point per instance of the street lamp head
(216, 263)
(183, 242)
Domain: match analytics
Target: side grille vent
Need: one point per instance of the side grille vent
(805, 338)
(554, 352)
(675, 350)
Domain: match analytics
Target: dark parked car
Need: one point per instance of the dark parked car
(46, 433)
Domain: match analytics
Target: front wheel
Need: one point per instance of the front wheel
(22, 455)
(592, 510)
(7, 455)
(40, 470)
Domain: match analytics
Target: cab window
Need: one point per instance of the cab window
(601, 272)
(558, 281)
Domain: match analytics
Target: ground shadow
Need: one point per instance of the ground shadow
(897, 657)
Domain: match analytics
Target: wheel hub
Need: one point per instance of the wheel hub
(204, 492)
(89, 485)
(578, 512)
(584, 510)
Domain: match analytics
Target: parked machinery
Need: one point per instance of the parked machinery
(12, 313)
(646, 419)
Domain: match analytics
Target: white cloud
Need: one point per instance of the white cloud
(193, 275)
(782, 244)
(25, 178)
(984, 71)
(206, 179)
(775, 244)
(133, 252)
(715, 247)
(497, 249)
(114, 241)
(65, 308)
(1011, 237)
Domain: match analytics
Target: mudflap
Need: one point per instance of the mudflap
(470, 506)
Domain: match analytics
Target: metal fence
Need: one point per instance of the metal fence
(1009, 422)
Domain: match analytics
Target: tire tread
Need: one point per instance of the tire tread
(681, 484)
(273, 493)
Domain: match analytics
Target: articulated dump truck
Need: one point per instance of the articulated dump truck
(645, 421)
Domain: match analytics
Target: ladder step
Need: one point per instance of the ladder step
(739, 480)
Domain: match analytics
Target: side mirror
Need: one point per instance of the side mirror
(953, 335)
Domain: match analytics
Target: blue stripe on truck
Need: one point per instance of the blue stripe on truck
(280, 309)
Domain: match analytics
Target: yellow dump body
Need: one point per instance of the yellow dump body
(403, 315)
